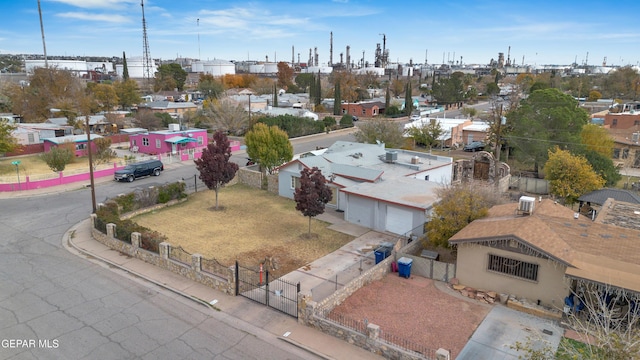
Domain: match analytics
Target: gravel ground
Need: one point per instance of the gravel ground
(416, 310)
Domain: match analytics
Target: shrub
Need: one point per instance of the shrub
(57, 158)
(126, 202)
(170, 192)
(150, 240)
(346, 121)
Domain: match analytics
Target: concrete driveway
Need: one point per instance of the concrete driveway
(502, 328)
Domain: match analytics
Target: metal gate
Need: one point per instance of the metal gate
(279, 294)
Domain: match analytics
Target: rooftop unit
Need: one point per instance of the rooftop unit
(525, 205)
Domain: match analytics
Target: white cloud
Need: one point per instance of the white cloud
(95, 4)
(95, 17)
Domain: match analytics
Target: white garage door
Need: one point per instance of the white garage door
(399, 221)
(359, 211)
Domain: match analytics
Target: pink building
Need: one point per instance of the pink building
(169, 142)
(80, 142)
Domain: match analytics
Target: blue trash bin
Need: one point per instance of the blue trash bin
(404, 267)
(382, 253)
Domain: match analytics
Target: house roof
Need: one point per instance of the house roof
(164, 105)
(591, 250)
(405, 191)
(71, 138)
(600, 196)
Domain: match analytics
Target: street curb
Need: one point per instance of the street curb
(69, 245)
(305, 348)
(67, 241)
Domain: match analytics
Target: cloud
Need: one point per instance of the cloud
(96, 4)
(95, 17)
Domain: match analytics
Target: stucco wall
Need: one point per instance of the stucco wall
(471, 270)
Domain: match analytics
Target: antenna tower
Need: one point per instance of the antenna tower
(146, 57)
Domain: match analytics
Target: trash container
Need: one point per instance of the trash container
(382, 253)
(404, 267)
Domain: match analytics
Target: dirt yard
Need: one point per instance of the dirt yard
(414, 309)
(251, 226)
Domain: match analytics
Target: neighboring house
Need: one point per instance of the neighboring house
(172, 142)
(277, 111)
(33, 133)
(365, 109)
(455, 132)
(626, 147)
(175, 109)
(97, 123)
(384, 189)
(623, 120)
(482, 167)
(80, 142)
(539, 250)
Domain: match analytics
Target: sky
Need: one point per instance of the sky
(531, 32)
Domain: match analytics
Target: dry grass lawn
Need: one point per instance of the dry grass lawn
(251, 225)
(34, 165)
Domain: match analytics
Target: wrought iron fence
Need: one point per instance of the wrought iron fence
(179, 254)
(343, 277)
(212, 266)
(406, 345)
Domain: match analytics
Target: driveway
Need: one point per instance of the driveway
(502, 328)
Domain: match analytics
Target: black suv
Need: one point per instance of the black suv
(143, 168)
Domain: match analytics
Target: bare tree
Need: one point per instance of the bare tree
(227, 115)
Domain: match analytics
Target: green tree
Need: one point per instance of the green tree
(492, 89)
(597, 138)
(128, 93)
(408, 100)
(543, 120)
(313, 193)
(275, 95)
(125, 68)
(209, 86)
(306, 82)
(215, 166)
(459, 205)
(425, 134)
(8, 142)
(57, 158)
(146, 119)
(570, 176)
(603, 166)
(268, 146)
(538, 85)
(346, 121)
(594, 95)
(387, 99)
(385, 131)
(329, 122)
(469, 111)
(337, 100)
(449, 90)
(169, 77)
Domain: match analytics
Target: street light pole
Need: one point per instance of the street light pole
(16, 163)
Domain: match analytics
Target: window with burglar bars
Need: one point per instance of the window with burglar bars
(513, 267)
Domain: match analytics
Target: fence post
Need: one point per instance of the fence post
(373, 331)
(135, 241)
(111, 230)
(196, 262)
(195, 182)
(266, 288)
(93, 220)
(237, 277)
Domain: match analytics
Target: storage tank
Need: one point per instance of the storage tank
(219, 67)
(134, 65)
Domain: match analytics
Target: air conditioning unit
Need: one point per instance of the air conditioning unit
(526, 204)
(391, 156)
(415, 160)
(174, 127)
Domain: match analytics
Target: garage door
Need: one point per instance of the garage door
(360, 211)
(399, 220)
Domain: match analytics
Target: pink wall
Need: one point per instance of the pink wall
(60, 180)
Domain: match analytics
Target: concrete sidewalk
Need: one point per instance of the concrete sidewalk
(248, 315)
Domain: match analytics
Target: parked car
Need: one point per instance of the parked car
(354, 118)
(474, 146)
(415, 117)
(136, 170)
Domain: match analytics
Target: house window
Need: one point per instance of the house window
(636, 122)
(513, 267)
(364, 112)
(616, 153)
(81, 146)
(614, 122)
(134, 143)
(31, 138)
(295, 182)
(200, 141)
(145, 141)
(625, 153)
(158, 143)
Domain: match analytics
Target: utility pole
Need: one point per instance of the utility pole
(496, 174)
(44, 45)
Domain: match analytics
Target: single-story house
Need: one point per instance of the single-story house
(175, 109)
(384, 189)
(97, 123)
(538, 249)
(171, 141)
(80, 142)
(366, 109)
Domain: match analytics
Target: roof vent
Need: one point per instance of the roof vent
(391, 156)
(415, 160)
(525, 205)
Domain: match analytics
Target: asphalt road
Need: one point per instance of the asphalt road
(56, 305)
